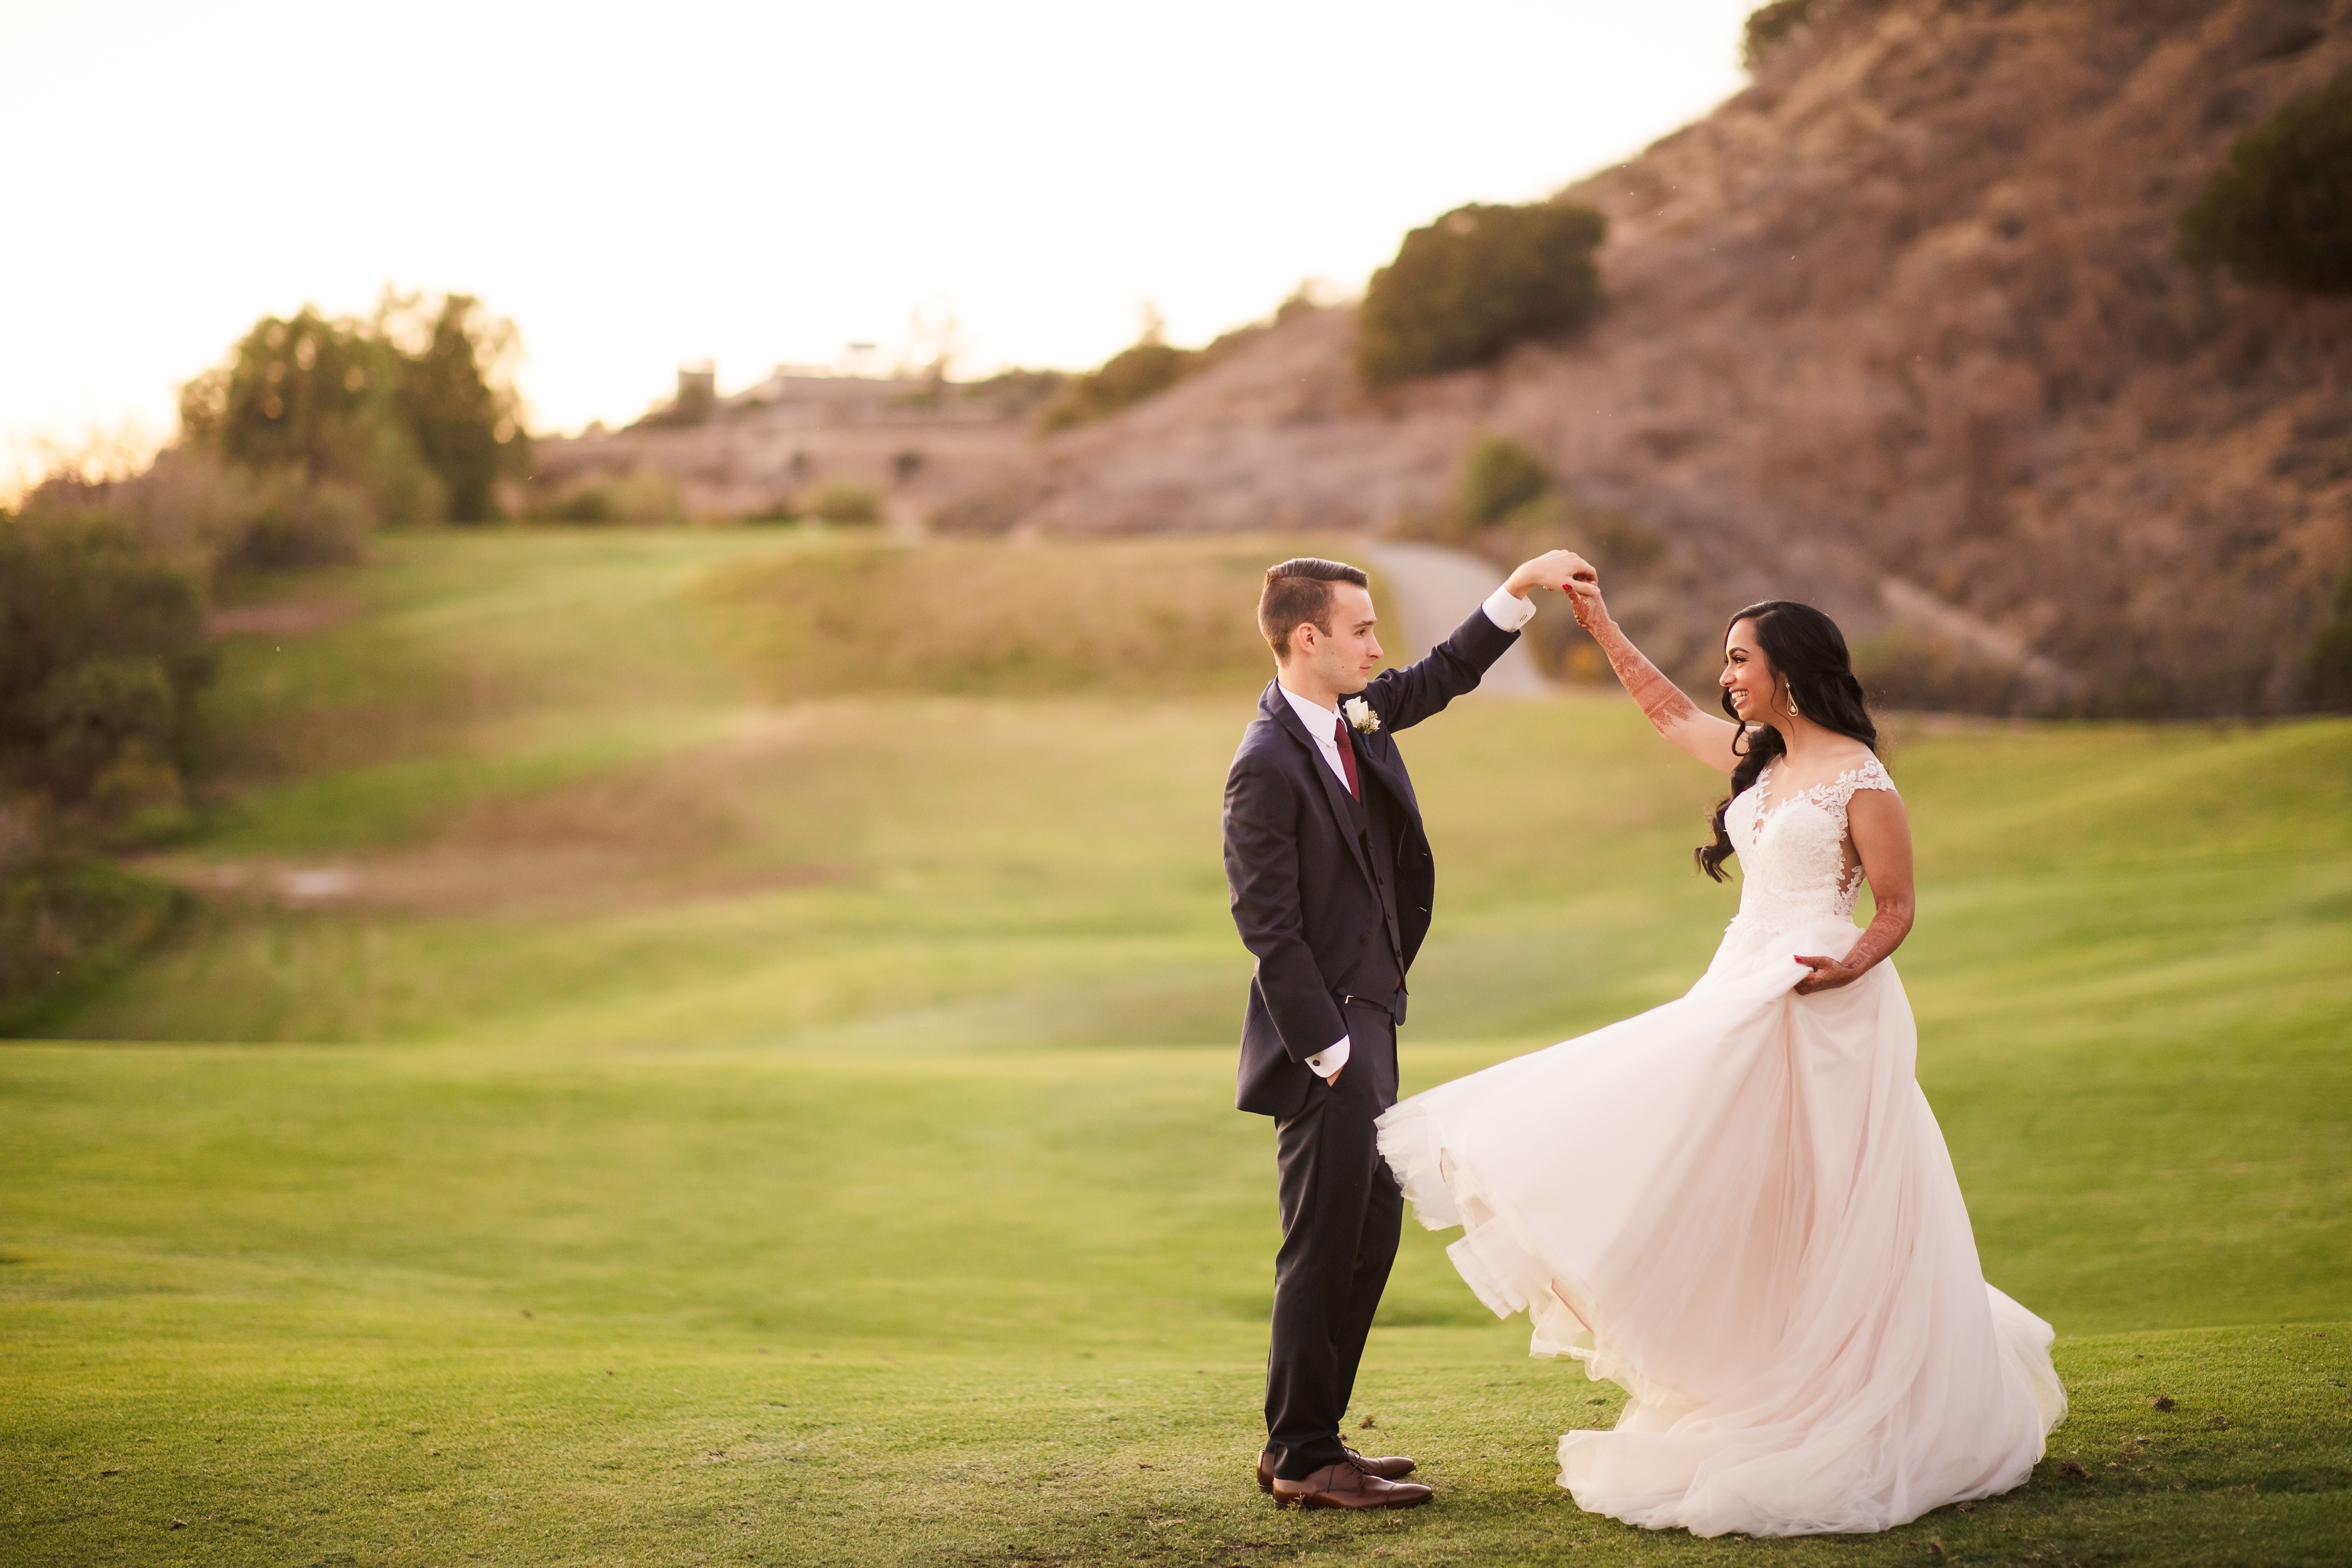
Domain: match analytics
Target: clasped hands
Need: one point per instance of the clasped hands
(1564, 572)
(1554, 569)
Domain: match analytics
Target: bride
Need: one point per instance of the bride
(1738, 1205)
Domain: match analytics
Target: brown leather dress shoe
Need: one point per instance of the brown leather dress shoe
(1345, 1485)
(1393, 1469)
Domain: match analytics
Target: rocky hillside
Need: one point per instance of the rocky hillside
(1900, 330)
(923, 450)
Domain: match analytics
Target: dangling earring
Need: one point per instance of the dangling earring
(1794, 711)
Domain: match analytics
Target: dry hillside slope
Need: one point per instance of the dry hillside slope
(1898, 328)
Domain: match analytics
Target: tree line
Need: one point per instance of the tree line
(312, 432)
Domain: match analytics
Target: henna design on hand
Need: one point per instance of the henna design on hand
(1877, 942)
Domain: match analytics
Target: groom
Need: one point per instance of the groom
(1332, 880)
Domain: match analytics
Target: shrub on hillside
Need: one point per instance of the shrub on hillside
(1767, 26)
(192, 507)
(1506, 505)
(290, 521)
(1125, 379)
(642, 495)
(2330, 664)
(1014, 392)
(102, 653)
(2282, 211)
(1506, 508)
(1498, 478)
(1909, 669)
(844, 502)
(1146, 369)
(1477, 282)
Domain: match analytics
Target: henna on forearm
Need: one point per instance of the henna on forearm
(1877, 944)
(1878, 940)
(1662, 701)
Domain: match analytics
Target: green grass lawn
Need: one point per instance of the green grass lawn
(708, 1132)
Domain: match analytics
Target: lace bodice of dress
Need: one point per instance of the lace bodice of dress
(1793, 853)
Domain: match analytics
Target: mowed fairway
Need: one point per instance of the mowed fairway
(664, 1122)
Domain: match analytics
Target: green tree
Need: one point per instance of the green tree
(467, 425)
(1473, 284)
(2282, 211)
(414, 409)
(303, 393)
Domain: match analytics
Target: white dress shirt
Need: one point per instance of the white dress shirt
(1503, 607)
(1323, 724)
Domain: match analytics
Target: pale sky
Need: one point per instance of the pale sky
(645, 185)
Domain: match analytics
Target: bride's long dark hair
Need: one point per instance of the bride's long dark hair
(1807, 653)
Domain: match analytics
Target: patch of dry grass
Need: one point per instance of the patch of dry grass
(1153, 617)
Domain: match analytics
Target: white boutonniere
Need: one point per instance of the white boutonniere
(1360, 716)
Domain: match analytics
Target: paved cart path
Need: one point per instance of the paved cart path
(1433, 588)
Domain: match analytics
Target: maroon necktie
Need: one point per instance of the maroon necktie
(1347, 757)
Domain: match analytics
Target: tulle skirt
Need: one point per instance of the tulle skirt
(1738, 1207)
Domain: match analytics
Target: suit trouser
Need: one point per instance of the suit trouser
(1341, 1213)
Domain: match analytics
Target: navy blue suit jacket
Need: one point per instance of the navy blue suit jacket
(1303, 894)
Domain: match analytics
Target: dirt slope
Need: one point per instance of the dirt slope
(1898, 328)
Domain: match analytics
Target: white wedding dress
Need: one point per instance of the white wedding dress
(1739, 1206)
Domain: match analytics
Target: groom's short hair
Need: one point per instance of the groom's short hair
(1301, 590)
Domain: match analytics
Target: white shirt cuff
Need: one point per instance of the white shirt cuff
(1508, 610)
(1333, 1056)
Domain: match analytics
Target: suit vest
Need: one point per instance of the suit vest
(1376, 972)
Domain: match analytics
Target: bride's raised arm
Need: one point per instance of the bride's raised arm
(1671, 713)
